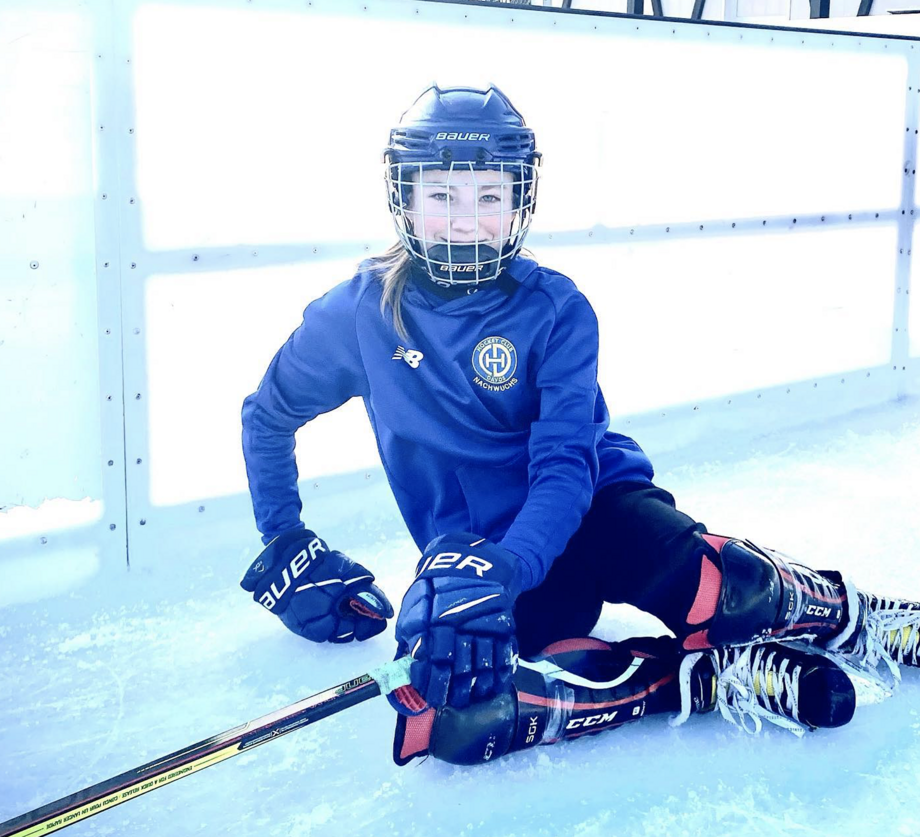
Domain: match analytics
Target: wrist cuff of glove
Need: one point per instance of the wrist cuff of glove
(267, 539)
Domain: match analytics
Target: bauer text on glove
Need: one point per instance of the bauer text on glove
(318, 593)
(457, 622)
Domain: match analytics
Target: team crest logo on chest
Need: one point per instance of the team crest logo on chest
(495, 362)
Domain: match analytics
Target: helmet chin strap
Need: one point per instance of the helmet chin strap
(457, 264)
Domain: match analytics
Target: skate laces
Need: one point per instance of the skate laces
(862, 644)
(890, 636)
(871, 649)
(896, 627)
(685, 680)
(751, 687)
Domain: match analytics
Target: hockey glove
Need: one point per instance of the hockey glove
(318, 593)
(457, 623)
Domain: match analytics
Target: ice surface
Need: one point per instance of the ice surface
(125, 668)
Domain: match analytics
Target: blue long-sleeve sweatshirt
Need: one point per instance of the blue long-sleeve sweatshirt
(489, 418)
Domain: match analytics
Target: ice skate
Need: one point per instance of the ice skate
(774, 682)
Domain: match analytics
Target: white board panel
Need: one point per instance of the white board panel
(912, 300)
(50, 444)
(688, 320)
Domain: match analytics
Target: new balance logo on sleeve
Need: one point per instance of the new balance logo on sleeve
(410, 356)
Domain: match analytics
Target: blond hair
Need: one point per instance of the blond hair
(394, 273)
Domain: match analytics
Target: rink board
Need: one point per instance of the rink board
(178, 180)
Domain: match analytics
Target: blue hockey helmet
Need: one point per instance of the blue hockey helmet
(463, 138)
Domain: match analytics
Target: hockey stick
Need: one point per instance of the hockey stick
(109, 793)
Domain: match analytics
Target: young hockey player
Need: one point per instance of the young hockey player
(478, 370)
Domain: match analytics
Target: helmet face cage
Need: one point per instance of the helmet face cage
(429, 199)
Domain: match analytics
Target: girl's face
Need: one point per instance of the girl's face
(462, 206)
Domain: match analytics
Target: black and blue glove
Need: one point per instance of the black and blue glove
(457, 623)
(318, 593)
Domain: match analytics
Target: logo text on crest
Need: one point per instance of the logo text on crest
(495, 362)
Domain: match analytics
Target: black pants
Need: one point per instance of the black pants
(633, 547)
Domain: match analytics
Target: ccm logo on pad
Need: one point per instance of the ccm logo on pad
(447, 560)
(295, 569)
(591, 720)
